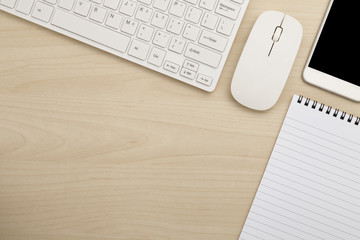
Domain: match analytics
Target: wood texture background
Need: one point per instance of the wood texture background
(95, 147)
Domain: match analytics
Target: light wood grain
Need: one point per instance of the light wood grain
(95, 147)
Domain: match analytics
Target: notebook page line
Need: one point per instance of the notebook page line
(307, 225)
(315, 215)
(321, 153)
(317, 159)
(316, 136)
(317, 190)
(322, 130)
(323, 185)
(320, 145)
(284, 224)
(297, 213)
(300, 207)
(320, 169)
(275, 228)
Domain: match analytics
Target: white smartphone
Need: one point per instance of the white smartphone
(334, 60)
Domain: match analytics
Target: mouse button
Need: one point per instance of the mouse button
(294, 29)
(277, 34)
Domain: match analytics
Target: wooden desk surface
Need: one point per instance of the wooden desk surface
(95, 147)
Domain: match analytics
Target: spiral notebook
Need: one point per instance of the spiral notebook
(311, 185)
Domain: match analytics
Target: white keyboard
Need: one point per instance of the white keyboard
(188, 40)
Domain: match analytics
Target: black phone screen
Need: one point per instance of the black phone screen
(337, 50)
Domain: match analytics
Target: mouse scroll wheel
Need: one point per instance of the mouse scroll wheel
(277, 34)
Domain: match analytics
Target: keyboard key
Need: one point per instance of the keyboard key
(238, 1)
(98, 14)
(209, 21)
(82, 8)
(193, 14)
(204, 80)
(42, 11)
(187, 73)
(128, 7)
(139, 49)
(66, 4)
(159, 19)
(157, 56)
(228, 9)
(51, 1)
(202, 55)
(113, 4)
(113, 20)
(195, 2)
(8, 3)
(213, 40)
(145, 32)
(148, 2)
(161, 4)
(25, 6)
(161, 39)
(175, 26)
(207, 4)
(191, 65)
(143, 14)
(172, 67)
(129, 26)
(177, 8)
(191, 32)
(225, 27)
(91, 31)
(177, 45)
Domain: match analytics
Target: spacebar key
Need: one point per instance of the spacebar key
(90, 31)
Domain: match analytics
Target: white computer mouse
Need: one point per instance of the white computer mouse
(266, 61)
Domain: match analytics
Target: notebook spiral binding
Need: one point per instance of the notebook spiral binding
(343, 115)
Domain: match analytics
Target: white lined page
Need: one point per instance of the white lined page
(311, 185)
